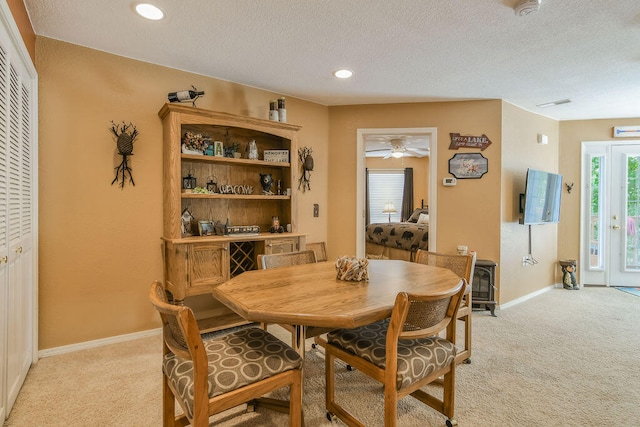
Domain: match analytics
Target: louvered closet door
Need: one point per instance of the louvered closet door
(18, 244)
(4, 138)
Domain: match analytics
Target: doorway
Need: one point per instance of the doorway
(610, 213)
(362, 134)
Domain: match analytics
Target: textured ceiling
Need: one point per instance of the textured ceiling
(400, 51)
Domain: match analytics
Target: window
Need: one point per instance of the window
(385, 186)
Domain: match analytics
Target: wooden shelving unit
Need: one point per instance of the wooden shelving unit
(194, 265)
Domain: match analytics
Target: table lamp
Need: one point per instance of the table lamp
(389, 208)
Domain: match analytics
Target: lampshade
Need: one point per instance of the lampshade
(389, 208)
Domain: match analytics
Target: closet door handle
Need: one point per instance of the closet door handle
(4, 259)
(19, 250)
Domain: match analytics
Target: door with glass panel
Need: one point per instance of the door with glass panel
(611, 214)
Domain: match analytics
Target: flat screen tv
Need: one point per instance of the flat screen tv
(542, 198)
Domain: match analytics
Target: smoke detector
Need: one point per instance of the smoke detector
(525, 7)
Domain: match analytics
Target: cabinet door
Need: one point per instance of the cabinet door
(208, 264)
(281, 246)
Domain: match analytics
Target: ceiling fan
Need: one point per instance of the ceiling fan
(398, 148)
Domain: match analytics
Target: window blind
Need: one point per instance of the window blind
(385, 185)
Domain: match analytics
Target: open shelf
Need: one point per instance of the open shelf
(234, 196)
(234, 161)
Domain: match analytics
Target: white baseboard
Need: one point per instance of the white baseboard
(97, 343)
(526, 297)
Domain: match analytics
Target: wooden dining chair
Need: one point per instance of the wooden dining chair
(404, 353)
(212, 376)
(284, 260)
(320, 248)
(463, 266)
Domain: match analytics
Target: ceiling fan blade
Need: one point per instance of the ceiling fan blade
(415, 153)
(373, 151)
(387, 156)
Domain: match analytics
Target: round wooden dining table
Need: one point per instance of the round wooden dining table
(311, 294)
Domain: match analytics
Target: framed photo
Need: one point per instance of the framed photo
(206, 228)
(468, 165)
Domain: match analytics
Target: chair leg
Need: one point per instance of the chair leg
(464, 355)
(295, 401)
(168, 404)
(390, 406)
(448, 394)
(329, 379)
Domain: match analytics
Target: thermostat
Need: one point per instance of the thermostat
(449, 182)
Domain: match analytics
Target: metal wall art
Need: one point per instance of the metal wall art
(468, 166)
(306, 162)
(126, 135)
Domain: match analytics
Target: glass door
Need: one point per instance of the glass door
(625, 216)
(610, 218)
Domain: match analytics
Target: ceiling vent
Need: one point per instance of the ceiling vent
(525, 7)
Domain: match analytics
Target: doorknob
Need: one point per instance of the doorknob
(616, 227)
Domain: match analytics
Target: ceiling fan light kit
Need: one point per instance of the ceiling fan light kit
(525, 7)
(398, 147)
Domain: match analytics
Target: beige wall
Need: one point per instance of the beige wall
(572, 134)
(520, 150)
(24, 26)
(99, 244)
(420, 174)
(468, 213)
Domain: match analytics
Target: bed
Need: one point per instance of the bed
(398, 240)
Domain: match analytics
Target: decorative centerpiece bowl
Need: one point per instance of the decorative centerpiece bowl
(352, 269)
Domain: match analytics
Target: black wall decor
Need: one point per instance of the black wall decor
(126, 135)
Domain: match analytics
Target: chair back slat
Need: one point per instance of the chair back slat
(426, 315)
(320, 248)
(175, 319)
(462, 265)
(286, 259)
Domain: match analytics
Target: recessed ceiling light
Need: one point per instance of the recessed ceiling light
(551, 104)
(149, 11)
(343, 74)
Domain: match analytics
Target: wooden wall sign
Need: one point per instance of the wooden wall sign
(469, 141)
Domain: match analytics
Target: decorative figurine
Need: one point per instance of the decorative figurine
(266, 180)
(568, 274)
(126, 135)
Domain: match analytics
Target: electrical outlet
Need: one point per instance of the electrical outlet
(316, 210)
(525, 260)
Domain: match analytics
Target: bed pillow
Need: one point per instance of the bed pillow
(423, 218)
(416, 214)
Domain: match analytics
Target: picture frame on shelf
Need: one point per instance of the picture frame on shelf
(278, 156)
(206, 228)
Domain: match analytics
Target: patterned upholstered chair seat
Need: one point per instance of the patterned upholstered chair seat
(415, 356)
(235, 360)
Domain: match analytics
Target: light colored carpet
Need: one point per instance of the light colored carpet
(564, 358)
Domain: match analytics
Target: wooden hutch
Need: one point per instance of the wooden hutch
(194, 264)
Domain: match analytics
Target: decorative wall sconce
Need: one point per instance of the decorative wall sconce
(126, 135)
(569, 187)
(306, 162)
